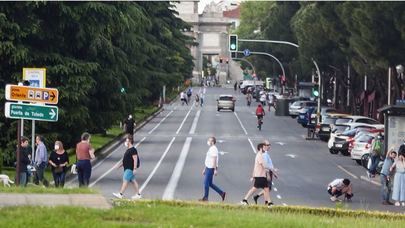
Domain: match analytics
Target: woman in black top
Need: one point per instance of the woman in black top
(59, 160)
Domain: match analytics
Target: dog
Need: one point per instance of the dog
(6, 180)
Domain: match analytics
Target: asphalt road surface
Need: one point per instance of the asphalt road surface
(172, 148)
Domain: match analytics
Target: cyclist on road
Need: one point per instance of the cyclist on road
(259, 113)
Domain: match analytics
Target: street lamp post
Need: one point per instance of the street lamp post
(318, 113)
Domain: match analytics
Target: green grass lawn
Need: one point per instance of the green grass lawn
(39, 189)
(169, 214)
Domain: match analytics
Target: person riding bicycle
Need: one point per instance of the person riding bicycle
(259, 113)
(248, 98)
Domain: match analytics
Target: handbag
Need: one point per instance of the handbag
(58, 169)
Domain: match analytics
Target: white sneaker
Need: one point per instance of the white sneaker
(118, 195)
(136, 197)
(397, 204)
(333, 198)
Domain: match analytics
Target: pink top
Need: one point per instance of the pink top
(259, 170)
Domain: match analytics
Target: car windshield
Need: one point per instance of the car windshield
(329, 120)
(340, 128)
(349, 132)
(365, 138)
(225, 98)
(343, 120)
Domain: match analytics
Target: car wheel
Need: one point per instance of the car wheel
(333, 151)
(233, 110)
(218, 109)
(364, 160)
(325, 139)
(293, 117)
(303, 125)
(345, 152)
(358, 162)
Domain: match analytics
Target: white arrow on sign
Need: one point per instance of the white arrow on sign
(52, 114)
(291, 155)
(223, 152)
(280, 143)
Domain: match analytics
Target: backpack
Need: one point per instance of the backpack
(377, 147)
(259, 112)
(189, 92)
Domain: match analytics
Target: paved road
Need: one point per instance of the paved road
(172, 148)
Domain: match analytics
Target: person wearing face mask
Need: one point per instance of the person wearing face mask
(58, 160)
(84, 153)
(131, 163)
(211, 169)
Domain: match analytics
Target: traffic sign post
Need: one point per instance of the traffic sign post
(31, 112)
(32, 94)
(246, 52)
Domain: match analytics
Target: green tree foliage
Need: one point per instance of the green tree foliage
(91, 50)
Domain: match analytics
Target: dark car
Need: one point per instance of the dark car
(305, 115)
(325, 127)
(343, 140)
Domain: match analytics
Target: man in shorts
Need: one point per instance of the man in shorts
(259, 178)
(130, 162)
(339, 187)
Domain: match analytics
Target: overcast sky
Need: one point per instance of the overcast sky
(203, 3)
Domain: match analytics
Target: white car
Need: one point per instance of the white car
(357, 119)
(340, 128)
(299, 106)
(362, 145)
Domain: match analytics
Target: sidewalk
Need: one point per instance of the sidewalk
(83, 200)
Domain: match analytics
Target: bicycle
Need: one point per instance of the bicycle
(259, 122)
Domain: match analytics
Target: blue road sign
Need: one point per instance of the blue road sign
(246, 52)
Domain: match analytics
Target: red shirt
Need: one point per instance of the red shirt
(259, 111)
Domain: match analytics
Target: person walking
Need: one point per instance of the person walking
(59, 159)
(131, 163)
(398, 193)
(259, 178)
(41, 161)
(24, 161)
(376, 153)
(189, 93)
(211, 169)
(197, 100)
(129, 125)
(386, 177)
(338, 187)
(271, 172)
(183, 98)
(84, 153)
(201, 99)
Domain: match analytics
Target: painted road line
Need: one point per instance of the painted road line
(278, 197)
(284, 204)
(184, 120)
(291, 155)
(178, 169)
(194, 126)
(157, 166)
(240, 122)
(112, 168)
(251, 144)
(275, 189)
(370, 181)
(346, 171)
(161, 121)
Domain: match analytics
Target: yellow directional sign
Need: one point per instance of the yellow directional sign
(32, 94)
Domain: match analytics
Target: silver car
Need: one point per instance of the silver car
(299, 106)
(226, 102)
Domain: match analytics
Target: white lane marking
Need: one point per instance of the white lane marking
(156, 166)
(275, 189)
(251, 144)
(240, 122)
(291, 155)
(346, 171)
(101, 162)
(371, 181)
(284, 204)
(278, 196)
(112, 168)
(194, 126)
(184, 120)
(220, 141)
(161, 121)
(280, 143)
(223, 152)
(178, 169)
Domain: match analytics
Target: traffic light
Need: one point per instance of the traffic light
(233, 43)
(234, 55)
(122, 90)
(315, 91)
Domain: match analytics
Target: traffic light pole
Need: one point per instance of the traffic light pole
(265, 53)
(245, 60)
(320, 91)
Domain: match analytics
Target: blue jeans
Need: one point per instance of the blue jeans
(23, 179)
(385, 188)
(375, 159)
(209, 175)
(59, 178)
(83, 172)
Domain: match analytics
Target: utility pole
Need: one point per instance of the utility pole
(348, 86)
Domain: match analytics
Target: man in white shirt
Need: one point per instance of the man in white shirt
(339, 186)
(211, 169)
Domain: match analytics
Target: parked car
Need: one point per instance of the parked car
(298, 107)
(305, 115)
(357, 119)
(226, 102)
(335, 143)
(362, 145)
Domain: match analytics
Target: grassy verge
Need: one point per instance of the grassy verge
(37, 189)
(172, 214)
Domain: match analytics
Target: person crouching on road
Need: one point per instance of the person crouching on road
(58, 160)
(386, 177)
(259, 178)
(84, 153)
(131, 163)
(338, 187)
(211, 169)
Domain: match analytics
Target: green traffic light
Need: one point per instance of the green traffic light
(233, 46)
(315, 93)
(122, 90)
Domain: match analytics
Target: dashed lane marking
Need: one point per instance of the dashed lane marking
(278, 197)
(161, 121)
(370, 181)
(240, 122)
(251, 144)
